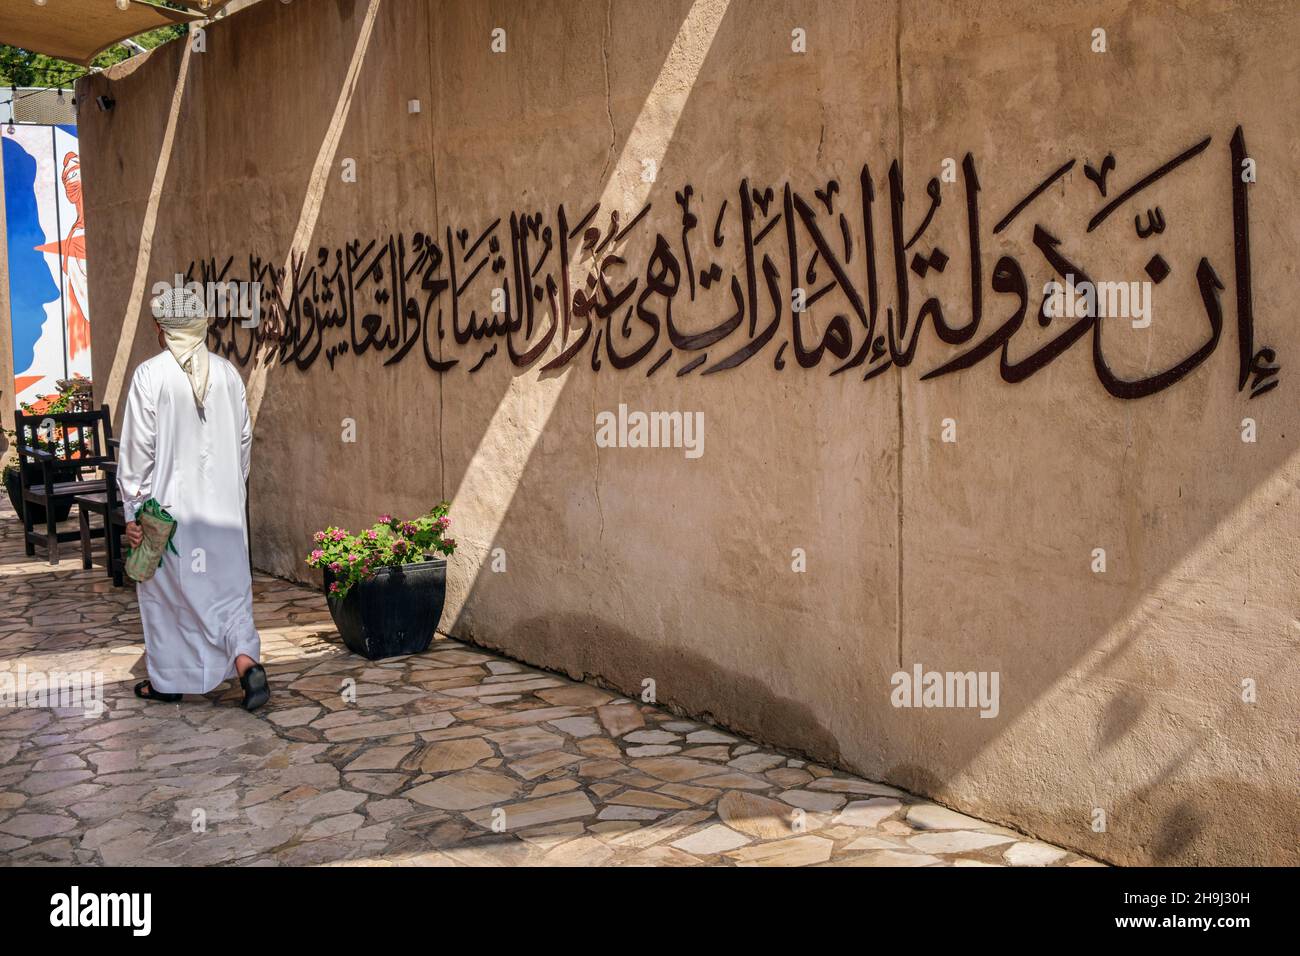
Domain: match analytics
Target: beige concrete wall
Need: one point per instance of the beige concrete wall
(1121, 692)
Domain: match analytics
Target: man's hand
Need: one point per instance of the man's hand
(134, 534)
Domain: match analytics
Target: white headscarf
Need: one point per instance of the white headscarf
(180, 311)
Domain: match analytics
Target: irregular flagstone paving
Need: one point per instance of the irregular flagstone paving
(454, 757)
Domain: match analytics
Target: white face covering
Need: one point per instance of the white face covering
(185, 330)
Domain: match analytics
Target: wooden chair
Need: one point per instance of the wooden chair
(65, 445)
(108, 506)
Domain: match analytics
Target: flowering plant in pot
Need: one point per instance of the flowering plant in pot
(70, 397)
(385, 586)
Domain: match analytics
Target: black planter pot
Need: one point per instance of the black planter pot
(393, 613)
(14, 488)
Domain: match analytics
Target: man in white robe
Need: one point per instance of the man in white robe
(186, 439)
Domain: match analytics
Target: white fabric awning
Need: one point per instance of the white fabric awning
(76, 30)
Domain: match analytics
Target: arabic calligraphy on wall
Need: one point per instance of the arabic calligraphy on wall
(502, 293)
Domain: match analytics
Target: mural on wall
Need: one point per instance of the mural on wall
(47, 259)
(501, 292)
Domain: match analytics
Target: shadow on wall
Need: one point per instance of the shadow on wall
(700, 633)
(634, 563)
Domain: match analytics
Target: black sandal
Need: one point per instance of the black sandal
(256, 690)
(145, 691)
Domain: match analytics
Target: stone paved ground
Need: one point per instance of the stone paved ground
(452, 757)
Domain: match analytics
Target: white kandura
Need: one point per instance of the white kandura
(197, 610)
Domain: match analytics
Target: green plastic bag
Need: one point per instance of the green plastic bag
(159, 527)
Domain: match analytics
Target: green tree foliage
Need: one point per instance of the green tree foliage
(19, 67)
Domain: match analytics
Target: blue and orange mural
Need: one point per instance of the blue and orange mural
(47, 259)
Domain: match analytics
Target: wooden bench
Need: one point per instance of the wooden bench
(65, 446)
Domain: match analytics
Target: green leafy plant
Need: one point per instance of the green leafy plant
(73, 395)
(20, 67)
(353, 558)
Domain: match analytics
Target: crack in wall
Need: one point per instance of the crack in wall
(433, 183)
(609, 111)
(604, 184)
(898, 379)
(600, 508)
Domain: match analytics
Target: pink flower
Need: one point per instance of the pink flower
(317, 554)
(372, 534)
(319, 537)
(334, 587)
(444, 521)
(335, 566)
(385, 519)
